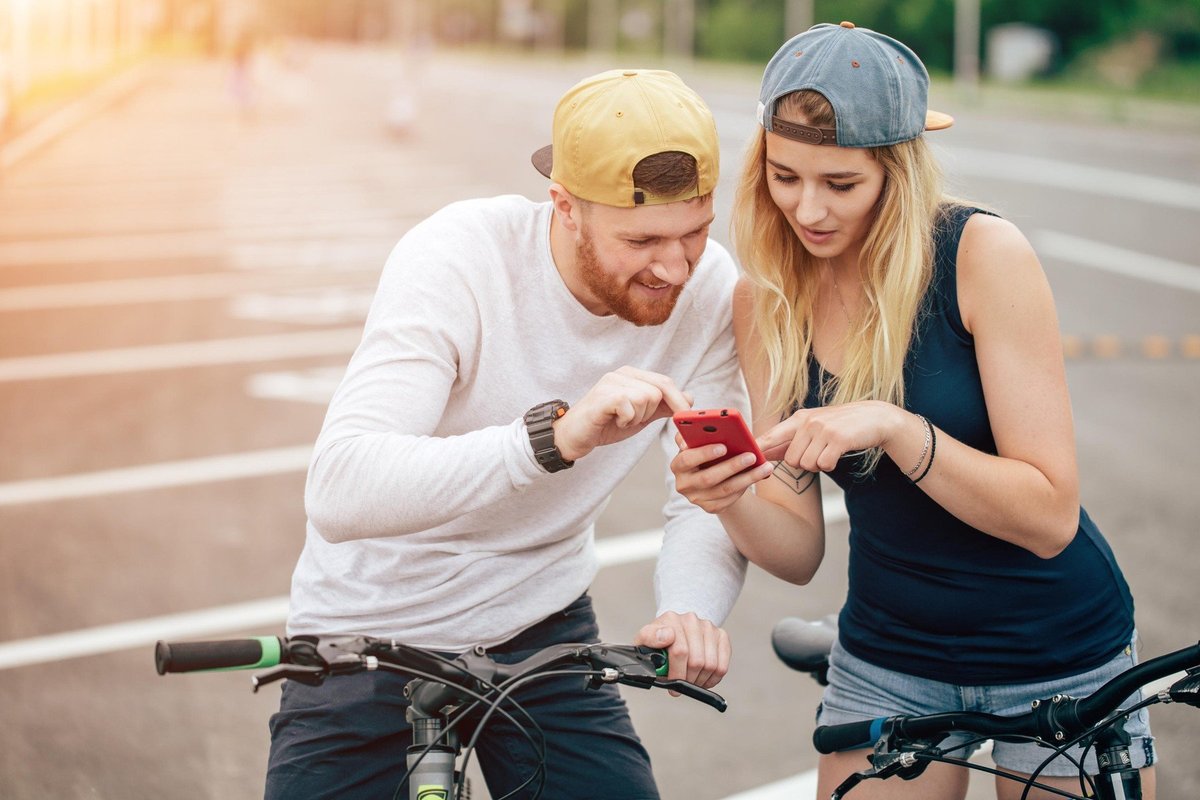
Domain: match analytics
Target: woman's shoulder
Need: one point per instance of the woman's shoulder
(989, 241)
(996, 264)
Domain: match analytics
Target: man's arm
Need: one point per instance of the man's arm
(378, 468)
(700, 572)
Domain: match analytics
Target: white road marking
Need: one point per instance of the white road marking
(314, 386)
(267, 613)
(323, 306)
(1080, 178)
(162, 475)
(222, 620)
(1098, 255)
(336, 341)
(802, 785)
(144, 632)
(355, 242)
(167, 288)
(69, 117)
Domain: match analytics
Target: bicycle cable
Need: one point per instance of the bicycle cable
(1090, 732)
(960, 762)
(477, 700)
(507, 688)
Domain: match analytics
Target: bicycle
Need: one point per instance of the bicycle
(443, 690)
(903, 746)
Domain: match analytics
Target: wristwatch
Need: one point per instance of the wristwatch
(539, 422)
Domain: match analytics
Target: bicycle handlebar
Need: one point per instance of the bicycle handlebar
(309, 659)
(1051, 720)
(255, 653)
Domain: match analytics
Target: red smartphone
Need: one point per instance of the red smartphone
(700, 427)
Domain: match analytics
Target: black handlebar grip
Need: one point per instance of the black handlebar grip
(848, 736)
(261, 651)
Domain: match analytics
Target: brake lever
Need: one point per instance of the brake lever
(890, 758)
(884, 764)
(693, 691)
(308, 675)
(1186, 690)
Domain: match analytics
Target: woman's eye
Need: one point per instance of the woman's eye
(841, 187)
(783, 178)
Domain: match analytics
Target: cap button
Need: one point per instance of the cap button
(629, 73)
(845, 24)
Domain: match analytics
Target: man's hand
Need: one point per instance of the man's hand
(697, 650)
(620, 405)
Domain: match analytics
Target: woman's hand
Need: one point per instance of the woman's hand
(814, 439)
(718, 486)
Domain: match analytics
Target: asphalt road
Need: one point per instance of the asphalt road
(182, 283)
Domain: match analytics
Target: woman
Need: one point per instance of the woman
(907, 345)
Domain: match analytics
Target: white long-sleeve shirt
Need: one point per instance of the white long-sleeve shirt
(429, 521)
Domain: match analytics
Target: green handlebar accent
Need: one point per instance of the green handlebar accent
(662, 670)
(271, 651)
(271, 654)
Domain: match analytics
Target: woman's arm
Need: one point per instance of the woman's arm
(778, 524)
(1028, 493)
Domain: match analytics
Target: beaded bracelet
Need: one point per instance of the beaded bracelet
(924, 448)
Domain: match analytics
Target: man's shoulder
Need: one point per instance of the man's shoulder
(474, 225)
(485, 212)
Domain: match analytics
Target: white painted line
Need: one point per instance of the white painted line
(1162, 684)
(803, 785)
(315, 385)
(223, 620)
(158, 476)
(1075, 177)
(335, 341)
(1098, 255)
(329, 305)
(144, 632)
(169, 288)
(328, 244)
(69, 117)
(629, 548)
(272, 611)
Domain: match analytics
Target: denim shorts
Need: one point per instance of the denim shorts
(859, 690)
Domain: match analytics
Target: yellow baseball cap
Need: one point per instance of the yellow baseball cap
(606, 124)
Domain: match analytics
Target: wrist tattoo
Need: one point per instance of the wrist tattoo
(796, 479)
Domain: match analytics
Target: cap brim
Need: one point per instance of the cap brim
(937, 121)
(543, 160)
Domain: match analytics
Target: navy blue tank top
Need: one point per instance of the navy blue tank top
(928, 594)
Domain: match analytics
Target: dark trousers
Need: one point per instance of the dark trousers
(347, 739)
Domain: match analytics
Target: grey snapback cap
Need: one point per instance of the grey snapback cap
(877, 86)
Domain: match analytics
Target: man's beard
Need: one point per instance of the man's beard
(618, 296)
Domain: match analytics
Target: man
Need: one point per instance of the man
(514, 358)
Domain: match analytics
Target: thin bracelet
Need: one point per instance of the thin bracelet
(924, 448)
(932, 453)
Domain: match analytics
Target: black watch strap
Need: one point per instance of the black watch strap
(539, 422)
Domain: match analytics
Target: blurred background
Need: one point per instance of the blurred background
(196, 198)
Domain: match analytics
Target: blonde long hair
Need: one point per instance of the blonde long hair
(896, 264)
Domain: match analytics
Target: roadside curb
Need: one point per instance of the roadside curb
(71, 115)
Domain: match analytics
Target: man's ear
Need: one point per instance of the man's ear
(567, 208)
